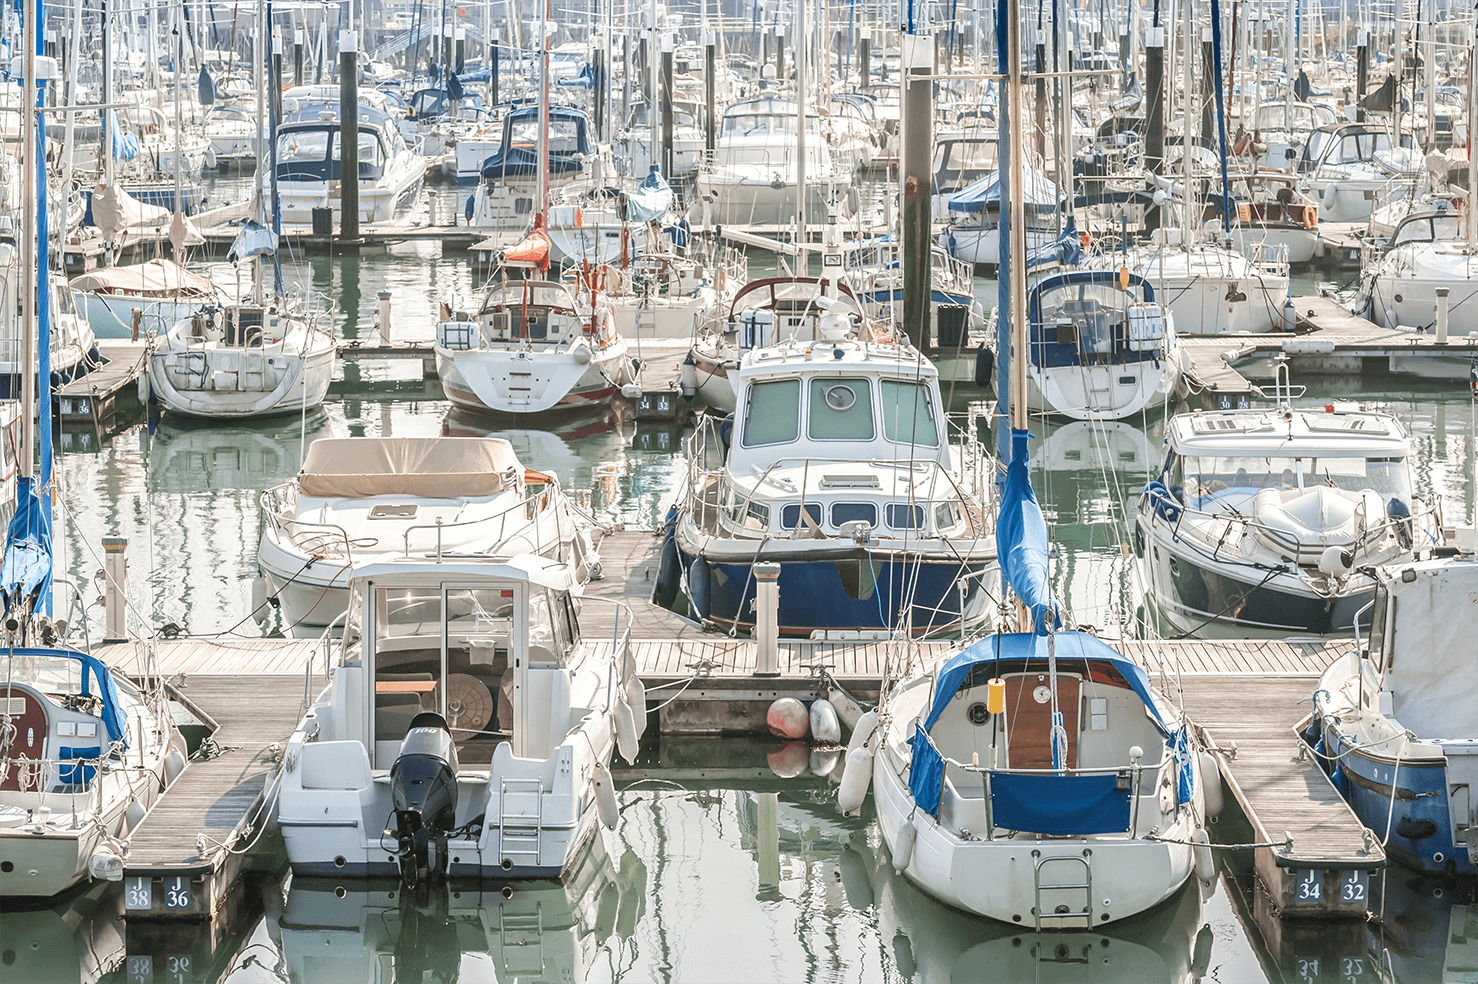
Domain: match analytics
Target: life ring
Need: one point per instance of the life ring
(605, 327)
(1311, 216)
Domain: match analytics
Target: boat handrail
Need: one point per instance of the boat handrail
(530, 504)
(1105, 770)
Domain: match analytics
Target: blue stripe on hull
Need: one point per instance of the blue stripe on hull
(813, 594)
(1421, 795)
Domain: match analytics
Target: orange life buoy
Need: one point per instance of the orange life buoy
(1311, 216)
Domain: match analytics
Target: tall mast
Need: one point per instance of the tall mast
(25, 359)
(544, 115)
(801, 193)
(1016, 215)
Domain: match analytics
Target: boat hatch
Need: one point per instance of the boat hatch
(406, 510)
(1333, 423)
(850, 482)
(1245, 423)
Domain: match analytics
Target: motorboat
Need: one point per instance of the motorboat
(974, 231)
(1267, 522)
(1101, 347)
(508, 192)
(756, 166)
(840, 472)
(531, 347)
(1272, 217)
(359, 499)
(1034, 777)
(1346, 164)
(1428, 250)
(240, 360)
(466, 730)
(1394, 719)
(1283, 127)
(634, 146)
(763, 313)
(164, 293)
(307, 161)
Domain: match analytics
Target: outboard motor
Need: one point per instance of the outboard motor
(423, 791)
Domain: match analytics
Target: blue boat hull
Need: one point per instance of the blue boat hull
(1420, 827)
(869, 593)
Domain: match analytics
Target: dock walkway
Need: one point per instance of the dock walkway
(186, 853)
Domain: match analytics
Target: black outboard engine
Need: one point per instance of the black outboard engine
(423, 790)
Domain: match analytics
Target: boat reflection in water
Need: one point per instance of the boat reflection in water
(81, 939)
(189, 457)
(529, 931)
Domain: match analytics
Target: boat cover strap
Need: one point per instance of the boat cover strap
(1064, 806)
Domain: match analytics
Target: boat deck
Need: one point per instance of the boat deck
(183, 858)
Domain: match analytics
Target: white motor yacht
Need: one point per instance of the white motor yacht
(307, 156)
(1265, 522)
(753, 178)
(1347, 164)
(359, 499)
(1428, 250)
(466, 730)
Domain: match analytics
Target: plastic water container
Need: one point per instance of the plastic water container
(756, 329)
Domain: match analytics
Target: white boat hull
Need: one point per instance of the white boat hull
(217, 383)
(515, 381)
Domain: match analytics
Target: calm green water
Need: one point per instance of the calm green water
(705, 882)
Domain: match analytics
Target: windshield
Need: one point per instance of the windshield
(1207, 475)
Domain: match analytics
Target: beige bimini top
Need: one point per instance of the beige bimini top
(429, 467)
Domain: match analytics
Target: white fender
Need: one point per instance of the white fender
(903, 852)
(635, 694)
(144, 388)
(1211, 791)
(174, 764)
(825, 729)
(862, 731)
(626, 740)
(259, 599)
(856, 777)
(136, 811)
(848, 710)
(1205, 863)
(605, 796)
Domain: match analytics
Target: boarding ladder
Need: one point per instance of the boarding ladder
(1062, 911)
(521, 937)
(521, 817)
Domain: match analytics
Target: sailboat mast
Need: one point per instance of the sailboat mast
(25, 358)
(1471, 213)
(544, 116)
(801, 193)
(1014, 199)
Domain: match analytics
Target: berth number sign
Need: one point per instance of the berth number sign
(138, 894)
(1310, 886)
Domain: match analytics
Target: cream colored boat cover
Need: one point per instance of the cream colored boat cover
(429, 467)
(155, 278)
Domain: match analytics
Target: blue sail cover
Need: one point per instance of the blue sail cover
(1060, 806)
(254, 239)
(651, 199)
(1021, 538)
(1065, 250)
(26, 569)
(1041, 195)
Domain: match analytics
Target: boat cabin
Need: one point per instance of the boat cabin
(1086, 317)
(515, 311)
(308, 146)
(518, 154)
(1441, 224)
(67, 716)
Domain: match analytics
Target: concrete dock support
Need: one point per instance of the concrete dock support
(115, 589)
(1442, 315)
(384, 317)
(767, 619)
(349, 136)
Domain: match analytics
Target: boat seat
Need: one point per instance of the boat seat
(1305, 523)
(334, 765)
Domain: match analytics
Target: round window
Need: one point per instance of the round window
(840, 397)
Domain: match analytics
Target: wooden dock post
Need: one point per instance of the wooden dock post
(115, 594)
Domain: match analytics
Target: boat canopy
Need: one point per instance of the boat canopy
(1434, 690)
(518, 154)
(163, 278)
(96, 681)
(1039, 193)
(430, 467)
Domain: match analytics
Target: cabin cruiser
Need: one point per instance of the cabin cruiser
(359, 499)
(1273, 217)
(466, 730)
(763, 313)
(508, 193)
(85, 757)
(1346, 164)
(1100, 348)
(1428, 250)
(239, 360)
(531, 347)
(753, 179)
(974, 231)
(838, 467)
(1394, 722)
(634, 145)
(1265, 522)
(164, 292)
(390, 173)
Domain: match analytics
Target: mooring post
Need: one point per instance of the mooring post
(710, 86)
(1362, 75)
(384, 297)
(1442, 315)
(348, 137)
(1154, 112)
(916, 174)
(767, 619)
(115, 589)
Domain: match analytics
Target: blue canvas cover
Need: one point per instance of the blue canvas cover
(252, 239)
(926, 775)
(1068, 806)
(1040, 194)
(1021, 538)
(1065, 250)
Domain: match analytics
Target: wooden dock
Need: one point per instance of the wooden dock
(92, 399)
(187, 853)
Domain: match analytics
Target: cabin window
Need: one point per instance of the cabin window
(1377, 640)
(1215, 473)
(304, 145)
(902, 516)
(841, 409)
(946, 515)
(854, 512)
(791, 515)
(408, 670)
(774, 413)
(908, 414)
